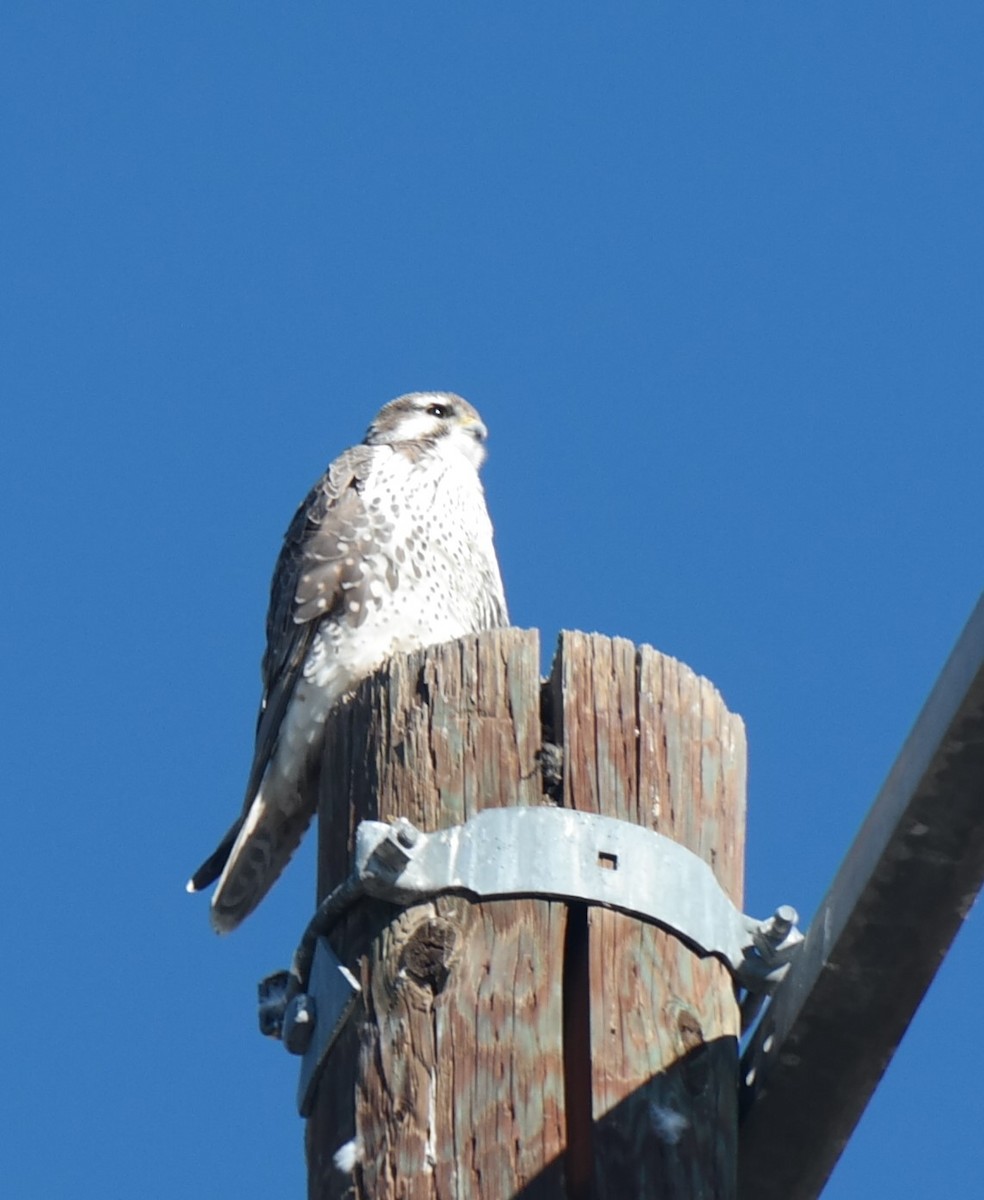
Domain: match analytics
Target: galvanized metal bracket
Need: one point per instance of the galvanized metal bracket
(568, 855)
(544, 852)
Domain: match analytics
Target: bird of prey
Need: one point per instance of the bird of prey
(390, 551)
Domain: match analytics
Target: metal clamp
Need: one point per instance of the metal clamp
(544, 852)
(309, 1022)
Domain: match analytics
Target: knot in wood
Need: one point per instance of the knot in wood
(691, 1034)
(696, 1065)
(426, 956)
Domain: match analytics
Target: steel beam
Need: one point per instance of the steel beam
(874, 945)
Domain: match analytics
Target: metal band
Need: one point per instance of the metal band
(563, 854)
(545, 852)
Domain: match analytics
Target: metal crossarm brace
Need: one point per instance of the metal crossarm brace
(530, 851)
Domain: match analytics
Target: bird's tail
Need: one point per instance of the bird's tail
(211, 868)
(251, 857)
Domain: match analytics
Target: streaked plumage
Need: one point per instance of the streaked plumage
(390, 551)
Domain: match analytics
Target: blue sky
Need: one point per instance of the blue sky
(713, 275)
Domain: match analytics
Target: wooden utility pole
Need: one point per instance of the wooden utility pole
(531, 1047)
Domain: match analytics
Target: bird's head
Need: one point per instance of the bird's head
(435, 420)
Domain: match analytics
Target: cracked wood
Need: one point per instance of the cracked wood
(453, 1077)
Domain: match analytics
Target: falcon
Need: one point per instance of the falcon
(390, 551)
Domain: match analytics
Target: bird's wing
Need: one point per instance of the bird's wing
(321, 559)
(322, 551)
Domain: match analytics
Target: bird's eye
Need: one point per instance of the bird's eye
(438, 410)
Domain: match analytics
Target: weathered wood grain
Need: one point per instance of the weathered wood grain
(648, 741)
(456, 1077)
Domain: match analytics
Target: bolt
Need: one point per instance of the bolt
(406, 834)
(787, 916)
(299, 1023)
(777, 928)
(272, 1000)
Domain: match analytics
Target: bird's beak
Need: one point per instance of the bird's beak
(475, 427)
